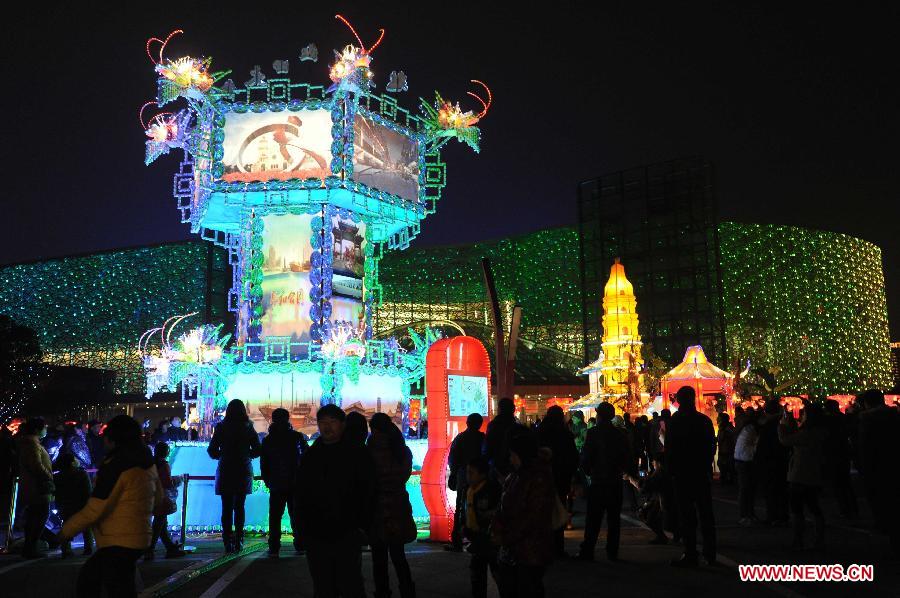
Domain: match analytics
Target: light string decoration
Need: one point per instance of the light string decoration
(232, 208)
(185, 77)
(165, 131)
(445, 120)
(351, 69)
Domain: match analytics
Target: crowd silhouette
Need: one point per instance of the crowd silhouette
(515, 485)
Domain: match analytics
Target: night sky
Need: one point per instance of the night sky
(798, 110)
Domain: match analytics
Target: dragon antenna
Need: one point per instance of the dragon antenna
(352, 30)
(178, 320)
(377, 43)
(485, 105)
(162, 46)
(145, 339)
(141, 113)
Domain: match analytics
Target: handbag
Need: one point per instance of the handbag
(169, 506)
(560, 516)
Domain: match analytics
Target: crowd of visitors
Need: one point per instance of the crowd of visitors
(514, 486)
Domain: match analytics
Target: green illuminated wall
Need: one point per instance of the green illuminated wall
(89, 311)
(539, 271)
(811, 302)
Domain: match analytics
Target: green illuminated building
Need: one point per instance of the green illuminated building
(89, 311)
(810, 302)
(444, 287)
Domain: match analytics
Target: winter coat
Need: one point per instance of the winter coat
(725, 440)
(879, 431)
(807, 463)
(690, 446)
(280, 457)
(393, 521)
(745, 444)
(98, 449)
(335, 492)
(77, 445)
(564, 459)
(837, 444)
(659, 487)
(496, 442)
(35, 470)
(481, 508)
(771, 456)
(8, 459)
(466, 446)
(523, 523)
(73, 489)
(176, 434)
(605, 456)
(579, 431)
(123, 501)
(234, 444)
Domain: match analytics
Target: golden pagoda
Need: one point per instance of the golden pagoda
(622, 363)
(615, 377)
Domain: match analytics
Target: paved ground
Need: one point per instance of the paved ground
(644, 569)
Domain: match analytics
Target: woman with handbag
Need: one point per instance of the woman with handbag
(555, 435)
(35, 482)
(234, 444)
(523, 526)
(393, 524)
(168, 506)
(119, 511)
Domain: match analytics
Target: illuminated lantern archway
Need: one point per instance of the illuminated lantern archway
(457, 382)
(707, 380)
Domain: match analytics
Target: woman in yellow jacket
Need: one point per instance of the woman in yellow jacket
(119, 511)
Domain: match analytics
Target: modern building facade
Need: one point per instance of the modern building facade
(811, 303)
(661, 222)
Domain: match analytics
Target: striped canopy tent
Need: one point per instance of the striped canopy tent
(696, 371)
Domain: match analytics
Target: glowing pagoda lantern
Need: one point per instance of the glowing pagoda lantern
(707, 380)
(616, 376)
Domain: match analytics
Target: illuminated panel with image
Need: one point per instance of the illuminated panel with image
(276, 146)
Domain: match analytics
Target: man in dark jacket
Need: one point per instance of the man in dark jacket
(690, 447)
(481, 504)
(467, 445)
(279, 459)
(95, 441)
(837, 459)
(176, 433)
(555, 435)
(879, 428)
(335, 498)
(772, 460)
(496, 443)
(604, 458)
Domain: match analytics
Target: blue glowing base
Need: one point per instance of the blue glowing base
(204, 507)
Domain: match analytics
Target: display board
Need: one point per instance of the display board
(285, 282)
(385, 159)
(348, 267)
(277, 146)
(467, 394)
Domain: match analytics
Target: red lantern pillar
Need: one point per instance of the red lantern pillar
(457, 356)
